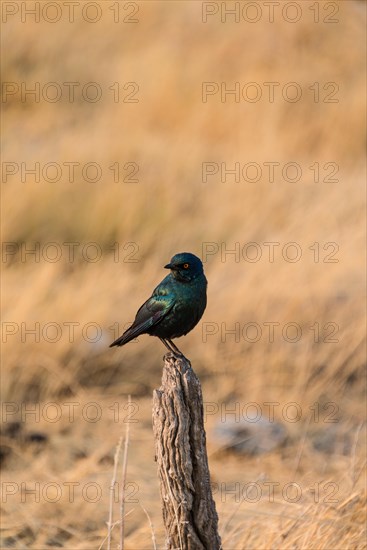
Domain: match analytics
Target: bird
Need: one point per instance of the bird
(175, 306)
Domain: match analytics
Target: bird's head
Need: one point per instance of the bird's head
(185, 266)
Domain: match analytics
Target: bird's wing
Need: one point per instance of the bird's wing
(150, 314)
(153, 311)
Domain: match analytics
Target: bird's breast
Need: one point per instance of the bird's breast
(189, 306)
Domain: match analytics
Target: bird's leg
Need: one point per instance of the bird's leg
(175, 348)
(171, 347)
(167, 346)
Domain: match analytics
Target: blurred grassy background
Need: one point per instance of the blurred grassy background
(169, 133)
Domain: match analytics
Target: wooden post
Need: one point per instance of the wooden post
(189, 513)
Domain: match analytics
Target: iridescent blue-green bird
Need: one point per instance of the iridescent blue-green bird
(176, 305)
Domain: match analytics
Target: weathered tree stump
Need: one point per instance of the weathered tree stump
(189, 513)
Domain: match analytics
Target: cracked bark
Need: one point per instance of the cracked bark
(189, 513)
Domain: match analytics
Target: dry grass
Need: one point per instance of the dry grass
(169, 134)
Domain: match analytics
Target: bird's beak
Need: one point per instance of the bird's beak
(169, 266)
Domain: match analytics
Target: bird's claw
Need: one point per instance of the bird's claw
(174, 355)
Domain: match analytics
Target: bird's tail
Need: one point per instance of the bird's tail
(137, 328)
(130, 334)
(124, 338)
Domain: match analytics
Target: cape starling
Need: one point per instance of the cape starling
(176, 305)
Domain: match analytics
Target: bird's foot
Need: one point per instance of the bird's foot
(175, 355)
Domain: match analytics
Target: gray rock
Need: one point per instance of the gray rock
(251, 438)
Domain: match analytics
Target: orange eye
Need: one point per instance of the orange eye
(186, 266)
